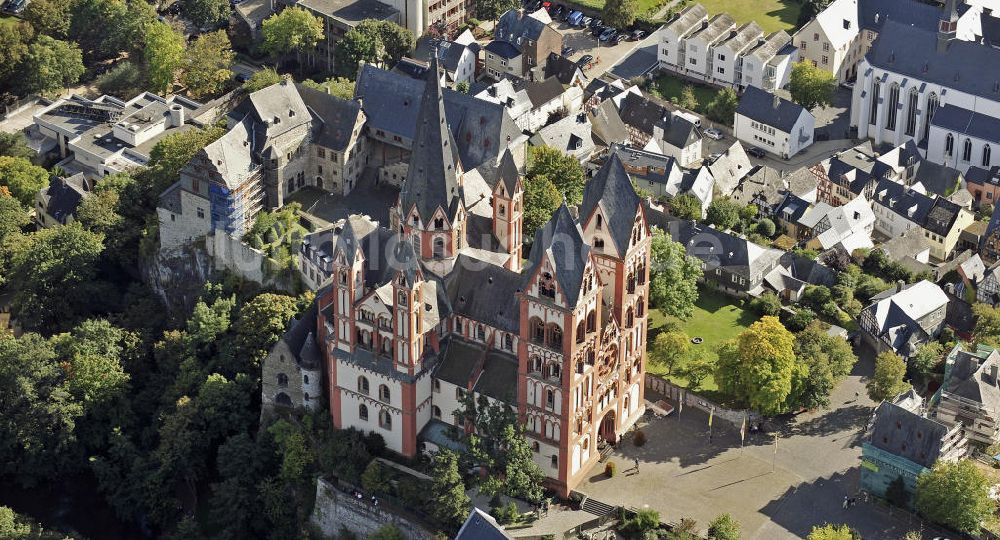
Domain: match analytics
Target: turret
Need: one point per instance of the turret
(508, 210)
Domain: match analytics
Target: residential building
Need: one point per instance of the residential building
(988, 289)
(729, 263)
(847, 227)
(421, 314)
(481, 526)
(532, 104)
(969, 397)
(292, 372)
(662, 176)
(700, 54)
(903, 444)
(766, 188)
(989, 248)
(656, 128)
(672, 49)
(904, 318)
(528, 39)
(571, 136)
(776, 125)
(902, 97)
(726, 66)
(983, 184)
(899, 208)
(106, 135)
(730, 168)
(341, 16)
(458, 59)
(768, 65)
(57, 203)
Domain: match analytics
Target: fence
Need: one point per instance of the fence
(691, 399)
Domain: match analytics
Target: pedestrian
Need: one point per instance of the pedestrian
(373, 499)
(636, 461)
(857, 395)
(845, 502)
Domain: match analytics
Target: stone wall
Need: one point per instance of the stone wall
(335, 509)
(691, 399)
(231, 253)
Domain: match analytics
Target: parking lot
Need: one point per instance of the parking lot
(583, 43)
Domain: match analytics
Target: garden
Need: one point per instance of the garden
(771, 15)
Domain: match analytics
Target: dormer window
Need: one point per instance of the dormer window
(277, 120)
(291, 113)
(438, 223)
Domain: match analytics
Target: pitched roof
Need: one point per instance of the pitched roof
(275, 109)
(499, 377)
(642, 113)
(687, 18)
(906, 434)
(481, 526)
(678, 131)
(607, 125)
(335, 118)
(725, 250)
(228, 160)
(485, 292)
(516, 24)
(971, 378)
(769, 109)
(939, 179)
(562, 68)
(831, 20)
(507, 172)
(503, 49)
(717, 27)
(432, 177)
(903, 200)
(975, 124)
(63, 196)
(912, 51)
(743, 37)
(299, 338)
(612, 189)
(561, 240)
(570, 135)
(873, 14)
(772, 45)
(898, 314)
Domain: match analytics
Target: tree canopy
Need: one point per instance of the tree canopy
(22, 179)
(887, 382)
(757, 367)
(724, 213)
(206, 13)
(51, 65)
(541, 199)
(164, 55)
(294, 30)
(382, 43)
(722, 108)
(564, 171)
(620, 13)
(207, 64)
(685, 206)
(811, 86)
(956, 495)
(674, 276)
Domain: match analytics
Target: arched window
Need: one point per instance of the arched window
(306, 396)
(600, 221)
(640, 309)
(598, 243)
(550, 398)
(555, 336)
(481, 333)
(383, 393)
(436, 411)
(508, 342)
(438, 248)
(890, 122)
(911, 113)
(986, 156)
(386, 345)
(536, 364)
(363, 412)
(384, 420)
(949, 145)
(362, 385)
(305, 379)
(283, 399)
(537, 330)
(282, 380)
(932, 105)
(876, 95)
(343, 278)
(967, 150)
(592, 321)
(401, 298)
(580, 332)
(555, 371)
(629, 318)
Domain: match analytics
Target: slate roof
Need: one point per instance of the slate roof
(63, 196)
(898, 314)
(942, 216)
(727, 251)
(499, 377)
(570, 135)
(480, 129)
(485, 292)
(517, 23)
(905, 434)
(274, 110)
(607, 125)
(873, 14)
(791, 208)
(970, 378)
(688, 17)
(227, 160)
(678, 131)
(756, 104)
(975, 124)
(983, 177)
(612, 189)
(561, 240)
(458, 361)
(503, 49)
(541, 92)
(915, 206)
(432, 178)
(335, 117)
(481, 526)
(507, 172)
(450, 54)
(649, 166)
(300, 340)
(966, 66)
(641, 113)
(938, 179)
(562, 68)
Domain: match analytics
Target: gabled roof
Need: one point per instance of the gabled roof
(717, 27)
(768, 109)
(541, 92)
(678, 131)
(772, 45)
(727, 251)
(432, 176)
(561, 240)
(873, 14)
(899, 314)
(335, 118)
(507, 172)
(743, 37)
(275, 110)
(570, 135)
(229, 160)
(971, 378)
(902, 200)
(687, 18)
(300, 340)
(481, 526)
(607, 125)
(975, 124)
(831, 20)
(562, 68)
(63, 196)
(503, 49)
(485, 292)
(517, 24)
(612, 189)
(906, 434)
(641, 113)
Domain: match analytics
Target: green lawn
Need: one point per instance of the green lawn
(771, 15)
(667, 86)
(646, 7)
(716, 319)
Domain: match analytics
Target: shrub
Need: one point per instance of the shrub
(766, 304)
(640, 438)
(609, 469)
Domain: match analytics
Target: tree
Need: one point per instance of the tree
(670, 347)
(927, 357)
(451, 504)
(10, 525)
(14, 40)
(382, 43)
(766, 304)
(674, 277)
(51, 65)
(896, 493)
(620, 13)
(207, 64)
(293, 30)
(757, 367)
(491, 10)
(688, 100)
(811, 86)
(698, 367)
(956, 495)
(13, 217)
(23, 179)
(261, 79)
(164, 55)
(387, 532)
(168, 156)
(14, 145)
(563, 170)
(887, 382)
(724, 213)
(261, 323)
(106, 28)
(341, 87)
(724, 527)
(822, 361)
(541, 199)
(206, 13)
(800, 319)
(685, 206)
(987, 328)
(833, 532)
(50, 17)
(124, 81)
(722, 108)
(52, 276)
(462, 86)
(766, 228)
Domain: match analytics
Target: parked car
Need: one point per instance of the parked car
(638, 34)
(616, 39)
(15, 6)
(713, 157)
(558, 11)
(574, 18)
(585, 22)
(568, 51)
(534, 6)
(594, 23)
(753, 151)
(607, 34)
(848, 85)
(547, 6)
(584, 60)
(597, 30)
(713, 133)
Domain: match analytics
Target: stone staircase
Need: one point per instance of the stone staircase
(593, 506)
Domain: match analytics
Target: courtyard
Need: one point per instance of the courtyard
(775, 490)
(716, 319)
(668, 87)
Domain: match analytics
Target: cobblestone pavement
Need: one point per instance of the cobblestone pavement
(774, 491)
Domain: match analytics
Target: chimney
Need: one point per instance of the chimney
(777, 101)
(993, 372)
(899, 285)
(176, 115)
(947, 25)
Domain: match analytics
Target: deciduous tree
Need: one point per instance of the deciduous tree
(669, 348)
(491, 10)
(51, 65)
(22, 179)
(206, 13)
(14, 145)
(956, 495)
(341, 87)
(887, 382)
(620, 13)
(49, 17)
(756, 369)
(13, 216)
(833, 532)
(722, 108)
(541, 199)
(674, 276)
(381, 43)
(685, 206)
(724, 213)
(14, 38)
(766, 304)
(811, 86)
(563, 170)
(724, 527)
(451, 504)
(164, 54)
(294, 30)
(207, 64)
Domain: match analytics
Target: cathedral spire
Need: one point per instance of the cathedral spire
(432, 177)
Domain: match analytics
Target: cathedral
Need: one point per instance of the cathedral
(441, 304)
